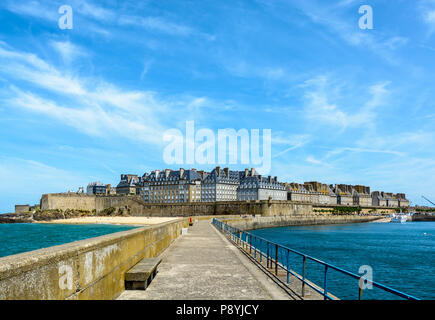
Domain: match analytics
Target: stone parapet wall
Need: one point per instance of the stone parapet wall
(82, 270)
(64, 201)
(253, 223)
(134, 206)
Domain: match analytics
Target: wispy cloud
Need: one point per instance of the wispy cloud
(427, 14)
(104, 20)
(289, 142)
(155, 23)
(362, 150)
(315, 161)
(92, 107)
(332, 16)
(34, 9)
(320, 110)
(69, 51)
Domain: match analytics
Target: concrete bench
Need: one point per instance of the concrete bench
(140, 276)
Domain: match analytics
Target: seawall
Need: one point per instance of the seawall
(253, 223)
(83, 270)
(133, 205)
(423, 217)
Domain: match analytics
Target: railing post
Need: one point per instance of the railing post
(267, 254)
(255, 248)
(250, 244)
(325, 284)
(276, 259)
(303, 276)
(288, 268)
(261, 253)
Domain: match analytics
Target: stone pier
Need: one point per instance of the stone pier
(204, 265)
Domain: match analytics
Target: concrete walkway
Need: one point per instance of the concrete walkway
(204, 265)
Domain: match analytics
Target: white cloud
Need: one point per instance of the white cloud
(290, 141)
(34, 9)
(92, 106)
(155, 23)
(31, 68)
(338, 151)
(146, 68)
(315, 161)
(90, 120)
(68, 51)
(96, 12)
(320, 110)
(333, 16)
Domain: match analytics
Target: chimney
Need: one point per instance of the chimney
(259, 177)
(252, 171)
(227, 172)
(181, 172)
(246, 172)
(167, 172)
(269, 179)
(218, 171)
(157, 173)
(275, 179)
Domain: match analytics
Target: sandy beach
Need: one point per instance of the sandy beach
(111, 220)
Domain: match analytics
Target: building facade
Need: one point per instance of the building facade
(129, 185)
(320, 192)
(256, 187)
(297, 192)
(362, 196)
(378, 199)
(169, 186)
(344, 194)
(403, 202)
(96, 188)
(180, 186)
(220, 185)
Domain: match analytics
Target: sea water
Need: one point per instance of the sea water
(401, 256)
(21, 237)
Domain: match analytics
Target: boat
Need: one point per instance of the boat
(399, 218)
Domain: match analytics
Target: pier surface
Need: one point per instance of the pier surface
(204, 265)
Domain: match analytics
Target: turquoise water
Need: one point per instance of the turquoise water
(21, 237)
(400, 255)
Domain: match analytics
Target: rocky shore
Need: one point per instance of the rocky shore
(49, 215)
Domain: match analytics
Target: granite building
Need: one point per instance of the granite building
(169, 186)
(96, 188)
(362, 196)
(344, 194)
(378, 199)
(297, 192)
(256, 187)
(320, 192)
(403, 202)
(220, 185)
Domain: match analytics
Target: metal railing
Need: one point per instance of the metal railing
(272, 252)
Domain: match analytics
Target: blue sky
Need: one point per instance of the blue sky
(345, 105)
